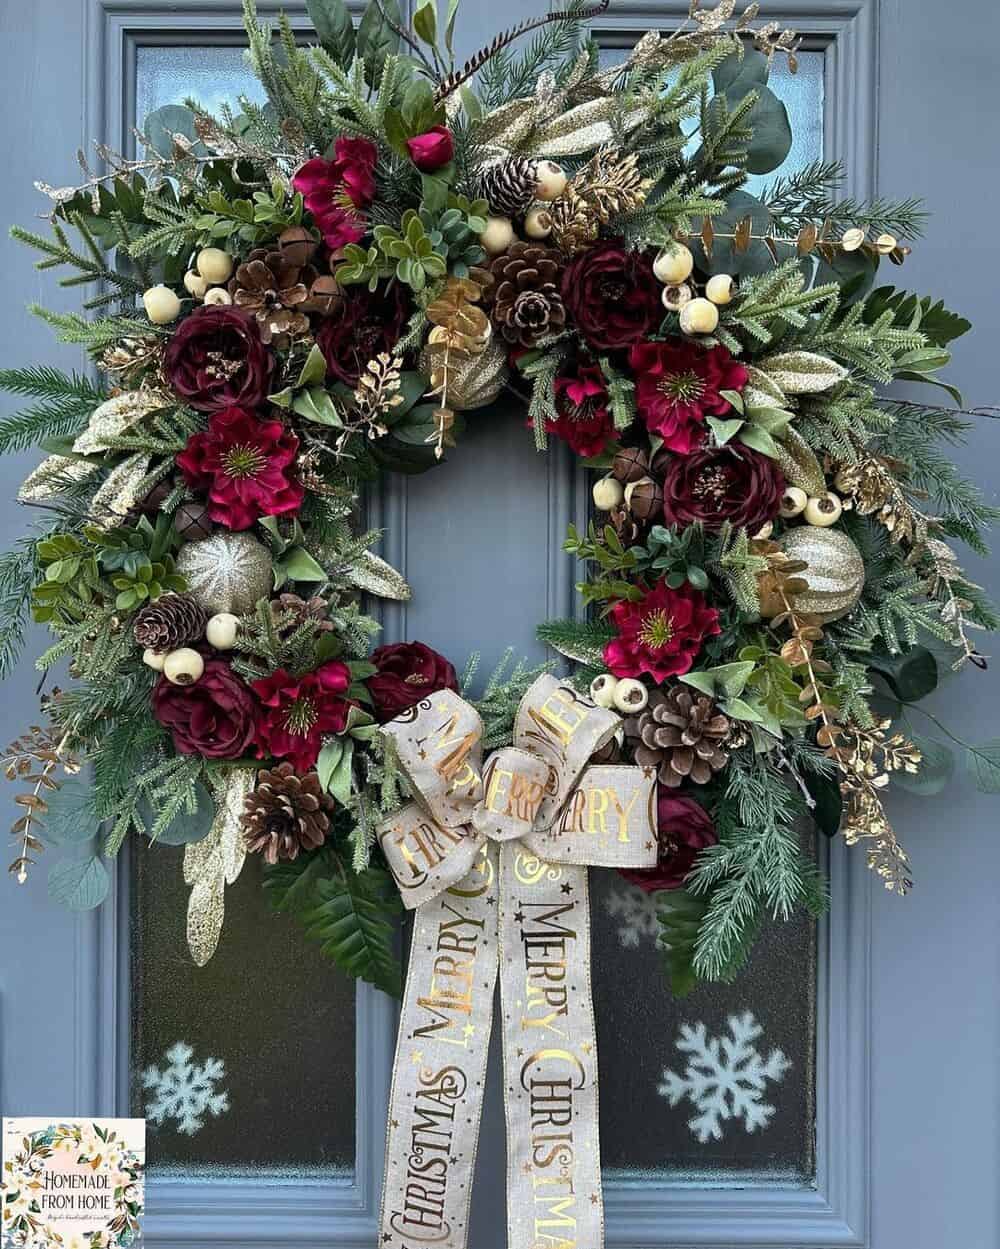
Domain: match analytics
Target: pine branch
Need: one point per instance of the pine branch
(95, 335)
(807, 196)
(67, 400)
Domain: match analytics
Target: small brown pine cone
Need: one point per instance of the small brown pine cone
(173, 620)
(680, 733)
(288, 611)
(286, 814)
(526, 303)
(272, 287)
(509, 186)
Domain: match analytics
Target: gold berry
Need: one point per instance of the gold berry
(161, 304)
(218, 295)
(673, 264)
(221, 631)
(630, 695)
(214, 264)
(675, 297)
(700, 316)
(153, 659)
(793, 502)
(602, 689)
(823, 510)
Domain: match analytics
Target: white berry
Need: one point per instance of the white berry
(853, 239)
(161, 304)
(602, 689)
(675, 297)
(214, 264)
(630, 695)
(886, 243)
(183, 666)
(673, 264)
(154, 659)
(221, 631)
(823, 510)
(538, 223)
(551, 180)
(793, 502)
(218, 295)
(497, 237)
(700, 316)
(608, 493)
(719, 289)
(195, 284)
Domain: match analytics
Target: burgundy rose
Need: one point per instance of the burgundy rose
(216, 717)
(660, 634)
(407, 672)
(678, 384)
(683, 829)
(329, 186)
(612, 295)
(298, 712)
(361, 325)
(216, 359)
(728, 483)
(432, 149)
(584, 420)
(244, 465)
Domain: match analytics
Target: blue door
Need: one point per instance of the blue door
(265, 1074)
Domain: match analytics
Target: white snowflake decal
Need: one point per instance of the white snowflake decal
(636, 909)
(725, 1077)
(185, 1091)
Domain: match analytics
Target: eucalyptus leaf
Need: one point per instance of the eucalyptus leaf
(70, 819)
(185, 827)
(161, 126)
(334, 27)
(983, 764)
(80, 884)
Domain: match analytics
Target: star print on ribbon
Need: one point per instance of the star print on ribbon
(494, 859)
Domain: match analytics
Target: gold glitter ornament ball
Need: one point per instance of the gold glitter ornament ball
(227, 572)
(835, 572)
(473, 381)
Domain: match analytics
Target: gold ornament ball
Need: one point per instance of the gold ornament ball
(221, 630)
(608, 493)
(538, 223)
(700, 316)
(214, 265)
(227, 572)
(183, 666)
(602, 690)
(674, 264)
(195, 284)
(218, 295)
(835, 570)
(473, 381)
(162, 305)
(551, 180)
(719, 289)
(497, 237)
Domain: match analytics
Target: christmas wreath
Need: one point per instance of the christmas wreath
(296, 297)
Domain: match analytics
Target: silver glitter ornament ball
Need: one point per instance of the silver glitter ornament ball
(227, 572)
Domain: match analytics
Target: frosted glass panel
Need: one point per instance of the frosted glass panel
(802, 95)
(248, 1064)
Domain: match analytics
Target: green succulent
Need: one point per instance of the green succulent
(139, 561)
(413, 250)
(363, 265)
(455, 232)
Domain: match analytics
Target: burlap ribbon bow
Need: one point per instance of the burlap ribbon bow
(496, 860)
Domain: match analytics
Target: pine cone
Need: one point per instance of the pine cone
(288, 612)
(173, 620)
(286, 814)
(271, 286)
(680, 733)
(526, 303)
(509, 186)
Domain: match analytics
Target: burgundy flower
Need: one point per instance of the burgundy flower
(298, 712)
(407, 672)
(729, 483)
(431, 150)
(683, 829)
(330, 186)
(362, 324)
(612, 295)
(584, 420)
(243, 464)
(660, 634)
(216, 359)
(678, 384)
(216, 717)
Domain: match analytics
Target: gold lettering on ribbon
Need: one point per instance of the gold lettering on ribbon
(448, 997)
(423, 848)
(558, 718)
(513, 794)
(594, 808)
(453, 766)
(430, 1158)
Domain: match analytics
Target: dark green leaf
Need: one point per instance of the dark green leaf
(911, 675)
(289, 884)
(349, 921)
(772, 135)
(825, 793)
(161, 125)
(680, 915)
(335, 29)
(376, 39)
(725, 259)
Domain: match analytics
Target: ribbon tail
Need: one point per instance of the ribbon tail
(554, 1195)
(439, 1072)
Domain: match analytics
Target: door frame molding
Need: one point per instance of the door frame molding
(641, 1213)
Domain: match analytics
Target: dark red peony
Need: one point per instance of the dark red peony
(298, 712)
(661, 634)
(611, 295)
(584, 420)
(216, 359)
(683, 829)
(215, 717)
(331, 187)
(362, 324)
(729, 483)
(407, 672)
(678, 384)
(244, 465)
(432, 149)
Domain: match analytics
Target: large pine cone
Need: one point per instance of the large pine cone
(526, 303)
(680, 733)
(271, 286)
(286, 814)
(509, 186)
(172, 621)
